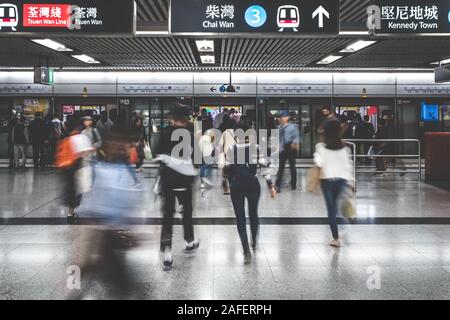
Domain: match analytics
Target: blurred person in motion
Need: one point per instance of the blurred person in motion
(227, 140)
(234, 115)
(206, 147)
(206, 120)
(20, 139)
(38, 137)
(241, 170)
(289, 148)
(103, 259)
(326, 114)
(220, 119)
(141, 139)
(12, 123)
(333, 159)
(70, 159)
(177, 174)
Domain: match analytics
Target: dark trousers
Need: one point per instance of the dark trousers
(38, 153)
(185, 199)
(11, 155)
(287, 154)
(238, 198)
(332, 189)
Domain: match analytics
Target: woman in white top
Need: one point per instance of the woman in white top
(333, 158)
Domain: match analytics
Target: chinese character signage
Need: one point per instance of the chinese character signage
(67, 17)
(263, 16)
(414, 16)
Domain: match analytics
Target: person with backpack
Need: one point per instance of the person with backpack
(333, 159)
(241, 169)
(69, 158)
(177, 174)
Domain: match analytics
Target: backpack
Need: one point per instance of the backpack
(57, 130)
(65, 155)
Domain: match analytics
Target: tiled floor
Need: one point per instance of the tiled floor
(291, 261)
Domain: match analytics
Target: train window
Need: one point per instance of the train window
(293, 14)
(283, 14)
(12, 13)
(2, 12)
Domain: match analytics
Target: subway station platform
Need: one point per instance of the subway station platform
(401, 237)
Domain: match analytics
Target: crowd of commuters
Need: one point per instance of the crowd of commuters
(76, 146)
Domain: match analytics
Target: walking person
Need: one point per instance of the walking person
(20, 139)
(333, 159)
(177, 175)
(227, 140)
(244, 184)
(70, 159)
(38, 137)
(12, 124)
(141, 139)
(289, 147)
(57, 132)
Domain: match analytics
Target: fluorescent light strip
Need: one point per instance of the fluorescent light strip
(205, 45)
(329, 59)
(208, 59)
(353, 33)
(85, 58)
(52, 45)
(152, 33)
(358, 45)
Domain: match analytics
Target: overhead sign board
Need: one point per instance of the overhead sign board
(43, 75)
(68, 17)
(413, 16)
(279, 17)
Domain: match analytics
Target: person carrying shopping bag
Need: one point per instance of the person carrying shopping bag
(333, 158)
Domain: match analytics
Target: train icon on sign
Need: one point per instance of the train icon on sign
(288, 18)
(9, 16)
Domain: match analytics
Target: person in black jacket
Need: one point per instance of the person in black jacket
(177, 174)
(38, 135)
(20, 139)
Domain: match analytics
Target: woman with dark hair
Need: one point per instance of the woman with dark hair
(241, 170)
(333, 158)
(141, 139)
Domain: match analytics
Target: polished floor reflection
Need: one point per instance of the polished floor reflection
(37, 194)
(292, 261)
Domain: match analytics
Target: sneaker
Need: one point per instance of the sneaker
(247, 257)
(335, 243)
(192, 246)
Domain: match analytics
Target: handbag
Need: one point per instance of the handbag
(313, 180)
(148, 155)
(348, 206)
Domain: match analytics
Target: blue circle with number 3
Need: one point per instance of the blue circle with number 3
(255, 16)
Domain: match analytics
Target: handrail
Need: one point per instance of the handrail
(418, 156)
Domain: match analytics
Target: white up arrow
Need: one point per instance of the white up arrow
(321, 12)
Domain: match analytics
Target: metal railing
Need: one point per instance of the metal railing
(417, 156)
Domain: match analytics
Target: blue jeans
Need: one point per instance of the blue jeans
(238, 198)
(332, 189)
(205, 170)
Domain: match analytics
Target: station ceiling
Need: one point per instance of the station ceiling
(165, 53)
